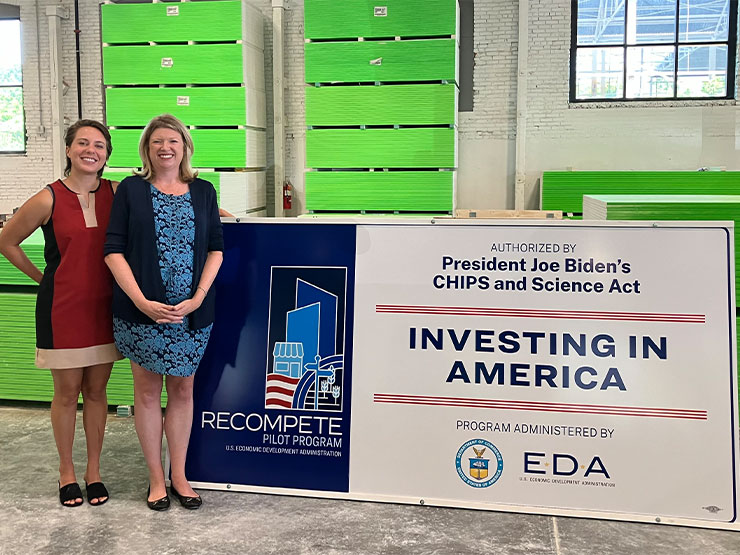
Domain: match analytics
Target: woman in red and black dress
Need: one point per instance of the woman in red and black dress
(74, 323)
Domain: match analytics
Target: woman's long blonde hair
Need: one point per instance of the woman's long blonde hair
(187, 173)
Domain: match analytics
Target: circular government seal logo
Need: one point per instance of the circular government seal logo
(474, 463)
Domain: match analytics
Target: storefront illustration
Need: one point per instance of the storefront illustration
(307, 362)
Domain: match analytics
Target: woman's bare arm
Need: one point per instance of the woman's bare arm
(35, 212)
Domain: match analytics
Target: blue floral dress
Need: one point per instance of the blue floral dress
(170, 349)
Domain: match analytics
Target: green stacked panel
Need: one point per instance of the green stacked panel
(162, 22)
(20, 380)
(213, 177)
(33, 246)
(214, 148)
(413, 191)
(202, 62)
(381, 105)
(194, 64)
(201, 106)
(386, 61)
(330, 19)
(116, 175)
(668, 207)
(381, 148)
(564, 190)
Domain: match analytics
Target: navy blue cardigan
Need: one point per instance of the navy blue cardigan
(131, 233)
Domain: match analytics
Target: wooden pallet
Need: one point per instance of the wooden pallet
(517, 214)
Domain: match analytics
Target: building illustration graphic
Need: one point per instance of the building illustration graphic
(307, 362)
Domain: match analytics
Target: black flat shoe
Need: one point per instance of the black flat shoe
(161, 504)
(70, 492)
(96, 490)
(191, 503)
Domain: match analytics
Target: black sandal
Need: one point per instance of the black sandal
(96, 490)
(70, 492)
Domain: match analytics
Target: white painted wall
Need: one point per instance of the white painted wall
(636, 136)
(598, 137)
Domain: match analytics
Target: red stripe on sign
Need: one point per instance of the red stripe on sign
(541, 313)
(539, 403)
(569, 311)
(281, 378)
(278, 389)
(688, 414)
(277, 403)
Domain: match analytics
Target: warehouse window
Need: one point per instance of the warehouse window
(652, 49)
(12, 128)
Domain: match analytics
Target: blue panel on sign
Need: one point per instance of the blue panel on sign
(308, 294)
(303, 329)
(272, 394)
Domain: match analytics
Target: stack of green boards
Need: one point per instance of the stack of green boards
(564, 190)
(202, 62)
(214, 148)
(381, 105)
(20, 380)
(669, 207)
(242, 193)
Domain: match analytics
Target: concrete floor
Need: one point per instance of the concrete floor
(33, 521)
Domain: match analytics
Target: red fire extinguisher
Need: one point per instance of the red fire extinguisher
(287, 196)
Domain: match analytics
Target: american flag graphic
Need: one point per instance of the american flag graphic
(280, 390)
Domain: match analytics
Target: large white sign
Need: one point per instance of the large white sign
(572, 368)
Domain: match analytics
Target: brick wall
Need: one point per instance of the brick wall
(559, 136)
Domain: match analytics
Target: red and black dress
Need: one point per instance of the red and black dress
(74, 319)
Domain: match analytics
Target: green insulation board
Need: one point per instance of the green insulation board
(382, 105)
(33, 246)
(165, 22)
(385, 61)
(214, 177)
(116, 175)
(214, 148)
(330, 19)
(20, 380)
(668, 207)
(194, 64)
(202, 106)
(564, 190)
(406, 191)
(381, 148)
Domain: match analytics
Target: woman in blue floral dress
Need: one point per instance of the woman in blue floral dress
(164, 247)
